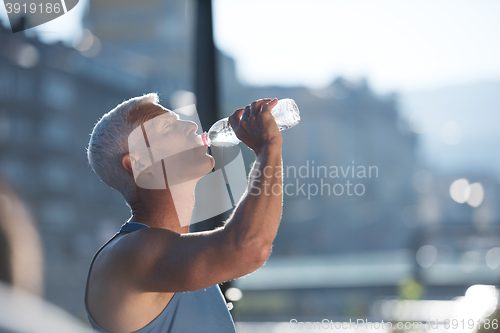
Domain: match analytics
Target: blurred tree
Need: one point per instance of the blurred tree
(410, 289)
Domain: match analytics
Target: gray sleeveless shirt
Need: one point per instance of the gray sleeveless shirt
(203, 311)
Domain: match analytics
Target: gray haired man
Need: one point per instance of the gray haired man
(154, 275)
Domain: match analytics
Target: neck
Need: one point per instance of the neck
(168, 209)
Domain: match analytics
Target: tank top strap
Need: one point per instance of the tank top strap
(132, 226)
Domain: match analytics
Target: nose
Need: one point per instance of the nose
(191, 127)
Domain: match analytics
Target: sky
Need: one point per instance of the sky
(397, 45)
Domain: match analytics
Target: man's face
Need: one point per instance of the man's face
(173, 149)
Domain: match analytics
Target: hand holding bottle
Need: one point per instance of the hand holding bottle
(255, 125)
(285, 112)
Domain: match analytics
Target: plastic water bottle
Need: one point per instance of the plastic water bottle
(221, 133)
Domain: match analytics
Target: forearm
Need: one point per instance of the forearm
(256, 218)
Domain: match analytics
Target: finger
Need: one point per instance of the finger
(257, 106)
(237, 113)
(270, 105)
(246, 113)
(234, 119)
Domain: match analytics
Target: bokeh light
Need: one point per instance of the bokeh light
(476, 194)
(426, 255)
(493, 258)
(234, 294)
(460, 190)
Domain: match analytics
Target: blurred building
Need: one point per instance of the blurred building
(459, 238)
(346, 134)
(338, 256)
(161, 30)
(50, 98)
(343, 241)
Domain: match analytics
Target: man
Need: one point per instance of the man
(155, 276)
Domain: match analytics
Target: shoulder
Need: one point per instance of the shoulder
(131, 253)
(144, 242)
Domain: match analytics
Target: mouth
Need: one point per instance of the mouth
(202, 141)
(199, 140)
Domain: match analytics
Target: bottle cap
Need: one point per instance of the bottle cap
(205, 140)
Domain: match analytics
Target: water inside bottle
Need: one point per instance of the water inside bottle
(286, 114)
(221, 133)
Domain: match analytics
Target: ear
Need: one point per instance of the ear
(126, 163)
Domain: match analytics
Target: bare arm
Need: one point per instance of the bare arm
(256, 218)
